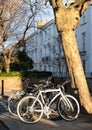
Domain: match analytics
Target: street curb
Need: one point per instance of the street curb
(4, 124)
(10, 122)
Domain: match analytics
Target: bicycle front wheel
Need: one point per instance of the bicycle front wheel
(68, 108)
(13, 101)
(30, 109)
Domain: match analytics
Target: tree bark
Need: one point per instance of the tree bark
(72, 54)
(7, 67)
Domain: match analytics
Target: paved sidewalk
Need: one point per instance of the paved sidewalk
(14, 123)
(9, 122)
(3, 126)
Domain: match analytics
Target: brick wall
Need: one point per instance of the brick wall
(9, 84)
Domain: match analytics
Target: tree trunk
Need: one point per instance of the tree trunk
(67, 19)
(7, 68)
(7, 64)
(72, 54)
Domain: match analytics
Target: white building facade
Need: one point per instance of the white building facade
(84, 39)
(44, 47)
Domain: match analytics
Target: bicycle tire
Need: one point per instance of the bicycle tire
(28, 112)
(68, 108)
(13, 101)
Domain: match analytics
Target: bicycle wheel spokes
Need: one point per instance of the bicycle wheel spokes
(13, 101)
(12, 108)
(30, 109)
(68, 109)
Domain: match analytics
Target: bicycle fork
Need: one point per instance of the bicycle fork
(67, 102)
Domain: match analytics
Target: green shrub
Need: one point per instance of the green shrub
(11, 74)
(24, 62)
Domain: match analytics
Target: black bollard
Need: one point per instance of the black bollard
(2, 88)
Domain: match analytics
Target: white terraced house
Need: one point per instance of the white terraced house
(44, 46)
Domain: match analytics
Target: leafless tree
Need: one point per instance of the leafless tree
(17, 19)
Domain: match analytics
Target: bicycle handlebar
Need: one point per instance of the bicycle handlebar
(67, 81)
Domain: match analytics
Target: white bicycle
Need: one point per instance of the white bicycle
(30, 109)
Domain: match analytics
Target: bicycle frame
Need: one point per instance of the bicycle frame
(41, 92)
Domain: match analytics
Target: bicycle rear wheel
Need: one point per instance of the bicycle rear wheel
(13, 101)
(68, 108)
(30, 109)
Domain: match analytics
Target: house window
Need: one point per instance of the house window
(83, 40)
(84, 64)
(49, 33)
(41, 36)
(35, 40)
(83, 18)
